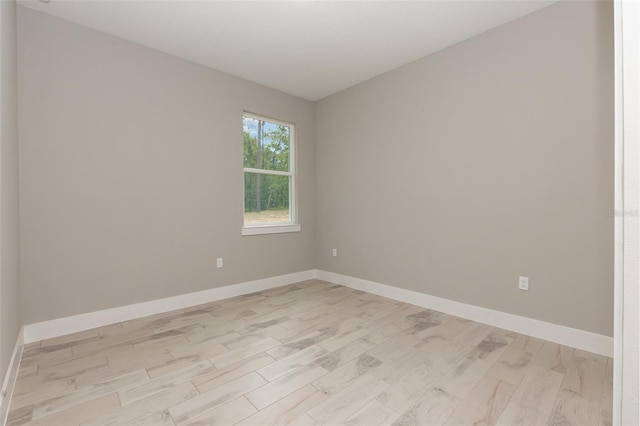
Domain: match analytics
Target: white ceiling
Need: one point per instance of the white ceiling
(309, 49)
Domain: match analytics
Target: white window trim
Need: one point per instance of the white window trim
(270, 229)
(279, 227)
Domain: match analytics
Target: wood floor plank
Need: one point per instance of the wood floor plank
(180, 320)
(606, 406)
(227, 414)
(213, 330)
(283, 386)
(449, 328)
(539, 389)
(155, 404)
(245, 352)
(401, 394)
(372, 414)
(158, 418)
(70, 369)
(526, 343)
(215, 378)
(587, 378)
(81, 413)
(291, 363)
(39, 392)
(344, 376)
(244, 340)
(572, 408)
(120, 368)
(142, 391)
(171, 364)
(203, 350)
(485, 403)
(444, 353)
(516, 414)
(313, 337)
(345, 403)
(474, 334)
(491, 347)
(464, 377)
(73, 338)
(395, 347)
(118, 340)
(287, 410)
(511, 366)
(555, 357)
(341, 356)
(336, 342)
(89, 393)
(392, 370)
(434, 408)
(46, 356)
(205, 402)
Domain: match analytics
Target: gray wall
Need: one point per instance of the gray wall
(131, 173)
(10, 316)
(491, 159)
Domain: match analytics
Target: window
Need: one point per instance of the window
(269, 176)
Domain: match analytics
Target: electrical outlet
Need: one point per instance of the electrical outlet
(219, 262)
(335, 252)
(523, 283)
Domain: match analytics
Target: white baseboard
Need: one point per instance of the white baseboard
(572, 337)
(575, 338)
(76, 323)
(10, 378)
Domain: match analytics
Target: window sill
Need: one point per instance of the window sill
(270, 229)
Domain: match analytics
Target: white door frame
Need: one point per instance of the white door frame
(627, 205)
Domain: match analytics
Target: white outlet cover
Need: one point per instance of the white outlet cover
(523, 283)
(219, 262)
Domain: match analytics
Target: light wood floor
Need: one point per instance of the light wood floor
(309, 353)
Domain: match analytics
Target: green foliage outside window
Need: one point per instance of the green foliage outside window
(266, 147)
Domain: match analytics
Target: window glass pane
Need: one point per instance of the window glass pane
(266, 199)
(266, 145)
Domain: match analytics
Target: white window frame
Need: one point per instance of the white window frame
(280, 227)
